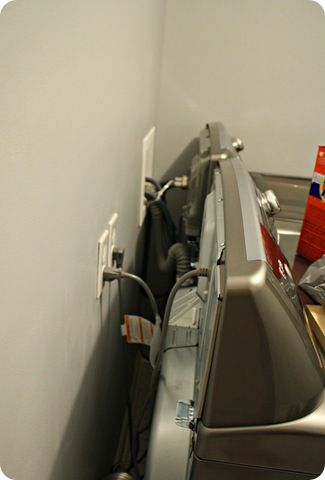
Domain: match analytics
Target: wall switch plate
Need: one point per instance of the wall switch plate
(111, 243)
(148, 147)
(102, 254)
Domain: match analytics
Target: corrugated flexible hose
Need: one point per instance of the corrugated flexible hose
(178, 257)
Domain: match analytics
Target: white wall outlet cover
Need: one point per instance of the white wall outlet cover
(3, 476)
(148, 148)
(321, 3)
(112, 224)
(102, 246)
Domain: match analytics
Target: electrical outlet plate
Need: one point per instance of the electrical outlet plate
(102, 253)
(105, 248)
(148, 146)
(111, 242)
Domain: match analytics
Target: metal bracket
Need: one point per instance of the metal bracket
(185, 414)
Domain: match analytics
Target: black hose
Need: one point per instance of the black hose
(178, 257)
(153, 182)
(168, 222)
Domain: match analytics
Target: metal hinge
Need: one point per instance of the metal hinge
(185, 414)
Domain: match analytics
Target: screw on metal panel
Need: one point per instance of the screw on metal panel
(272, 202)
(238, 144)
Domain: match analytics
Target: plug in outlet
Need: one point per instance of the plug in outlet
(111, 242)
(102, 253)
(148, 146)
(105, 248)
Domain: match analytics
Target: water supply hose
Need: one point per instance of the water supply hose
(178, 257)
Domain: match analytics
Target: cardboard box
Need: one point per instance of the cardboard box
(312, 238)
(316, 320)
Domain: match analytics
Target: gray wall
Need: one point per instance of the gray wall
(257, 65)
(78, 87)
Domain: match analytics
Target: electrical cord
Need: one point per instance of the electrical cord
(117, 274)
(179, 347)
(142, 456)
(133, 435)
(146, 288)
(120, 298)
(131, 440)
(199, 272)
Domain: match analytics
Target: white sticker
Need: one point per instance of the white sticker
(137, 329)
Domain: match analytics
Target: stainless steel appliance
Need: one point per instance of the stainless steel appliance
(241, 391)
